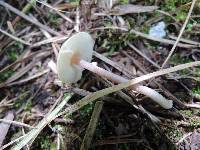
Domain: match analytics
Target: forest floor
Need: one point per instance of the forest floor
(132, 38)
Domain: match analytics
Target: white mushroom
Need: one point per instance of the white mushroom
(76, 54)
(78, 47)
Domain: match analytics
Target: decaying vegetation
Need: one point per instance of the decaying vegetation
(151, 43)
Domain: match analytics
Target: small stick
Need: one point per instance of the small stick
(14, 37)
(16, 123)
(92, 126)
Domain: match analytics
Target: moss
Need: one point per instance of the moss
(171, 6)
(177, 59)
(188, 113)
(115, 41)
(174, 133)
(86, 111)
(197, 70)
(28, 106)
(5, 75)
(53, 18)
(20, 99)
(13, 51)
(45, 142)
(196, 92)
(195, 122)
(124, 2)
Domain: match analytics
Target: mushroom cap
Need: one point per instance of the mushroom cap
(80, 44)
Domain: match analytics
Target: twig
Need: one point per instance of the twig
(16, 123)
(49, 40)
(185, 40)
(92, 126)
(14, 37)
(180, 34)
(77, 25)
(19, 13)
(5, 126)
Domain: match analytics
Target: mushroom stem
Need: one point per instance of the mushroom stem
(158, 98)
(102, 72)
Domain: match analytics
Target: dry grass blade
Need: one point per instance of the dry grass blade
(5, 126)
(129, 9)
(16, 123)
(14, 37)
(52, 66)
(11, 142)
(50, 40)
(92, 126)
(31, 135)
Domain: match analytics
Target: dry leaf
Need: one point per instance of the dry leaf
(129, 9)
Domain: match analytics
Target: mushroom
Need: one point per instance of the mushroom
(75, 55)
